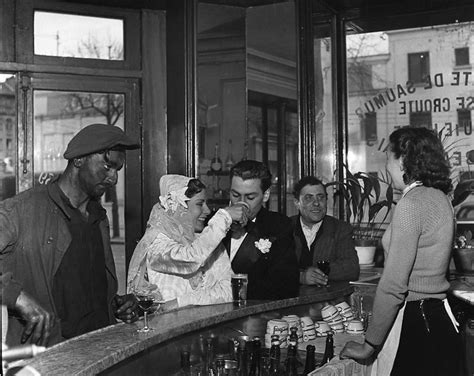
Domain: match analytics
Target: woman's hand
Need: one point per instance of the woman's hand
(238, 213)
(355, 350)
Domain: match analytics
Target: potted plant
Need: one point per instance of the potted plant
(360, 193)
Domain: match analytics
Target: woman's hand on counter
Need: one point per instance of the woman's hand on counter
(355, 350)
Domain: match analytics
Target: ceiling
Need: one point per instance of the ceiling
(371, 15)
(361, 15)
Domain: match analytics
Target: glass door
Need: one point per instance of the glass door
(57, 108)
(8, 105)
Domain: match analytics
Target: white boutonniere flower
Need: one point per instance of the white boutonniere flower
(263, 245)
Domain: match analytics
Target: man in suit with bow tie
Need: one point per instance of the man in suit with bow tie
(264, 248)
(319, 237)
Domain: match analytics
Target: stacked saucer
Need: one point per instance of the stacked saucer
(307, 326)
(279, 327)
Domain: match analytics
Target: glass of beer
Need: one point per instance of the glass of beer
(239, 289)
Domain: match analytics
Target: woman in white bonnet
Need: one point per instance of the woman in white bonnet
(180, 259)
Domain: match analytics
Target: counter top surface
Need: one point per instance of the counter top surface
(94, 352)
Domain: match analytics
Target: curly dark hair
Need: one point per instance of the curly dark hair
(423, 157)
(303, 182)
(250, 169)
(194, 187)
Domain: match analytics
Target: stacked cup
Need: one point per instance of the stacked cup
(322, 328)
(308, 328)
(345, 311)
(294, 321)
(278, 327)
(332, 316)
(354, 327)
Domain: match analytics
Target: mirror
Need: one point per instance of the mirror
(247, 92)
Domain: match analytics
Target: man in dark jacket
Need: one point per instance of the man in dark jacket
(58, 272)
(264, 248)
(320, 237)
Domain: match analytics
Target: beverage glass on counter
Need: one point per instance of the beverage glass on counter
(239, 289)
(146, 304)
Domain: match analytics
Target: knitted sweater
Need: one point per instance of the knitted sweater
(417, 246)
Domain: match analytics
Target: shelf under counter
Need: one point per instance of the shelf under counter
(119, 349)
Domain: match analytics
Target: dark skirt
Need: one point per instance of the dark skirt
(429, 344)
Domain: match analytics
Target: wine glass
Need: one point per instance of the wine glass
(146, 303)
(324, 266)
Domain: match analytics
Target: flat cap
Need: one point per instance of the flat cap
(98, 137)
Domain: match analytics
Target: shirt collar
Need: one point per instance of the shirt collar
(409, 187)
(314, 227)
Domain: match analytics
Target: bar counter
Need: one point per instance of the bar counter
(118, 349)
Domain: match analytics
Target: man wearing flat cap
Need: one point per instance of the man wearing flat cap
(58, 273)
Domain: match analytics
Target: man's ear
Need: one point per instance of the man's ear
(297, 203)
(77, 162)
(266, 195)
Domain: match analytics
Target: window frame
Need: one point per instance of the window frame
(456, 64)
(460, 112)
(25, 34)
(419, 115)
(411, 77)
(369, 119)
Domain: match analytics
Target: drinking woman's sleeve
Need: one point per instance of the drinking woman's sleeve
(216, 287)
(166, 255)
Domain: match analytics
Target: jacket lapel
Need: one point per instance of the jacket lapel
(301, 239)
(323, 241)
(226, 242)
(247, 253)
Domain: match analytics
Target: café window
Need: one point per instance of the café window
(420, 119)
(388, 102)
(359, 76)
(461, 56)
(418, 66)
(69, 35)
(8, 136)
(72, 35)
(369, 127)
(464, 122)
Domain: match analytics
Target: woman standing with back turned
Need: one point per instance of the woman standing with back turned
(413, 327)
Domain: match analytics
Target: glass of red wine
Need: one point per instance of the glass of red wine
(146, 304)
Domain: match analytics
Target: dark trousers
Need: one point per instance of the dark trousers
(429, 344)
